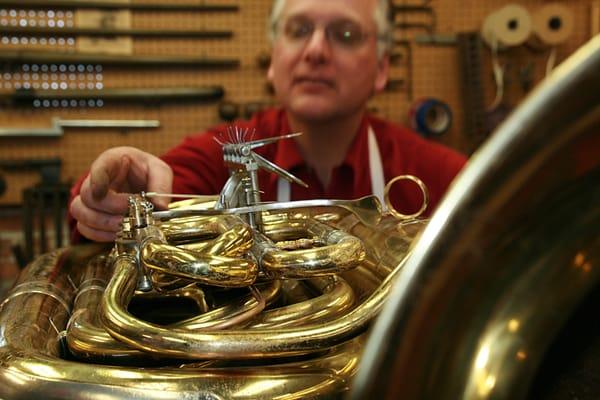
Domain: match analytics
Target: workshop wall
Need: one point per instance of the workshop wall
(66, 76)
(427, 64)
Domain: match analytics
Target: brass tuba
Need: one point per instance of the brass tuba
(221, 297)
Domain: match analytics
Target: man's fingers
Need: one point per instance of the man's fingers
(160, 180)
(112, 202)
(94, 219)
(110, 169)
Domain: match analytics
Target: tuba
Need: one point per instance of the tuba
(218, 297)
(232, 298)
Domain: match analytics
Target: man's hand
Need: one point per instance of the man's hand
(114, 175)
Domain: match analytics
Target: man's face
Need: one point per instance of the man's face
(324, 62)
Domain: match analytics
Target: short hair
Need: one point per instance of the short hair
(381, 17)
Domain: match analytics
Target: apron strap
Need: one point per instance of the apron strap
(375, 168)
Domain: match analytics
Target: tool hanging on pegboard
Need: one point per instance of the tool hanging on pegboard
(404, 10)
(120, 5)
(49, 57)
(58, 125)
(110, 31)
(469, 53)
(154, 96)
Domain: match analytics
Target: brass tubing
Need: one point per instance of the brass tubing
(341, 252)
(34, 312)
(208, 269)
(29, 375)
(191, 291)
(165, 283)
(228, 344)
(31, 369)
(234, 236)
(336, 299)
(235, 312)
(87, 338)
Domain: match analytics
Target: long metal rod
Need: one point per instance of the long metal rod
(115, 94)
(367, 209)
(61, 32)
(58, 125)
(137, 60)
(165, 6)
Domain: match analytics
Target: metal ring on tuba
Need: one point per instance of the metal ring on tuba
(216, 298)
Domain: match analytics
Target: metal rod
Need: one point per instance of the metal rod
(136, 5)
(182, 196)
(58, 125)
(117, 94)
(367, 209)
(137, 60)
(103, 31)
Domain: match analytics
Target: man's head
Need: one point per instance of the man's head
(381, 16)
(329, 56)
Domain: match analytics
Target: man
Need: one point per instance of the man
(328, 59)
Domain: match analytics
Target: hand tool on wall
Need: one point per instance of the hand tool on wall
(2, 183)
(406, 44)
(48, 168)
(198, 6)
(145, 95)
(594, 18)
(395, 84)
(429, 37)
(404, 9)
(125, 60)
(44, 204)
(228, 110)
(58, 124)
(113, 31)
(469, 52)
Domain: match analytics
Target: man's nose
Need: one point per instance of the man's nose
(318, 47)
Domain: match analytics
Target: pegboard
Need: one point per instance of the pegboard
(425, 70)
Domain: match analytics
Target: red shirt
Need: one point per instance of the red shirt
(198, 163)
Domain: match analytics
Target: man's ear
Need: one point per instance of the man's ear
(383, 69)
(270, 73)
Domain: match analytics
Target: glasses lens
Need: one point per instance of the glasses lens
(343, 33)
(298, 29)
(346, 33)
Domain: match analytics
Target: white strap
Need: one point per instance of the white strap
(375, 167)
(283, 190)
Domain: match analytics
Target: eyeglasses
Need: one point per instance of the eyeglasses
(342, 33)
